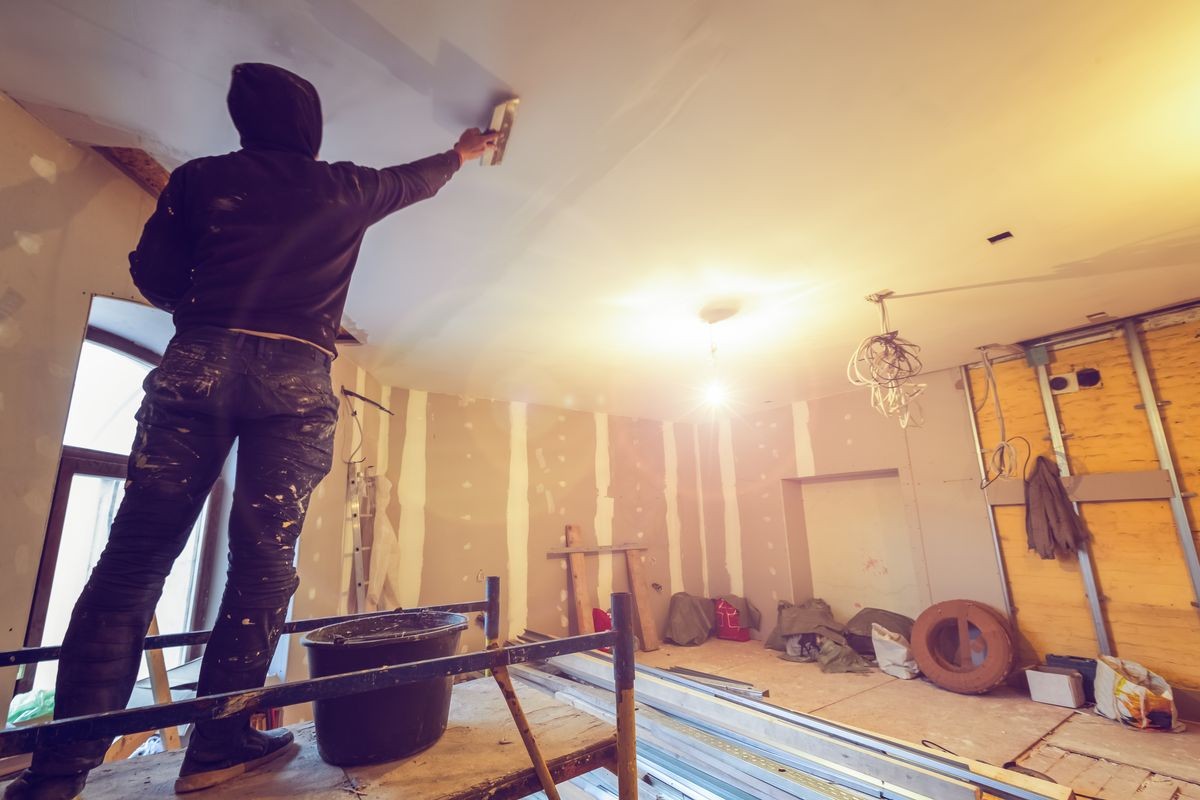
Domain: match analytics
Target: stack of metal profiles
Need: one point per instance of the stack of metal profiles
(700, 742)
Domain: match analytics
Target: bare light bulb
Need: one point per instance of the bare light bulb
(715, 394)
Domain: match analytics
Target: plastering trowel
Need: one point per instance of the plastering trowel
(502, 122)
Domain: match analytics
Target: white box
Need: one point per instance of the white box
(1056, 686)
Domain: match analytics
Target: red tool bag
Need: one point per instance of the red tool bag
(729, 623)
(601, 622)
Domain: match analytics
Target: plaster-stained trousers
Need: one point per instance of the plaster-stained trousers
(214, 385)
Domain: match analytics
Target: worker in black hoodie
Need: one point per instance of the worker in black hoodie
(252, 253)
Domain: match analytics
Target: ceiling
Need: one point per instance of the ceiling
(788, 156)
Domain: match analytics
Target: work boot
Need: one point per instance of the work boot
(212, 761)
(29, 786)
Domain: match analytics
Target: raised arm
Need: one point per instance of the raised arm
(392, 188)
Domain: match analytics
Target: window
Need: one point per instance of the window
(91, 482)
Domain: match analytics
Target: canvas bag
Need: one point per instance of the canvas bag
(1134, 696)
(893, 654)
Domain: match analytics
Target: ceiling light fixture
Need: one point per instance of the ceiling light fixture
(716, 395)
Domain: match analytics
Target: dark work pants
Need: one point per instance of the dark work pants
(212, 387)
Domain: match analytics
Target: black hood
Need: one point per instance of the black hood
(274, 109)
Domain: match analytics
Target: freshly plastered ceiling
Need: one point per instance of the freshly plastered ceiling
(789, 156)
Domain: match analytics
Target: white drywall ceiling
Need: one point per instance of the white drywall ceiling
(795, 155)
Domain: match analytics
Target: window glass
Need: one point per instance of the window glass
(108, 391)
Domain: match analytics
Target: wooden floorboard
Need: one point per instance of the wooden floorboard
(801, 687)
(1174, 754)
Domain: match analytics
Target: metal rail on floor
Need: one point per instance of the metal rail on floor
(116, 723)
(911, 754)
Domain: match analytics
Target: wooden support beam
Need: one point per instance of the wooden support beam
(161, 687)
(1100, 487)
(647, 631)
(582, 598)
(607, 548)
(531, 746)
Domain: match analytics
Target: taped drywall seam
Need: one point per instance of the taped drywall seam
(671, 488)
(700, 514)
(604, 510)
(517, 520)
(356, 443)
(383, 535)
(382, 451)
(733, 523)
(802, 441)
(411, 491)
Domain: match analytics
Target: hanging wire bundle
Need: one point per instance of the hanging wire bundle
(887, 363)
(1003, 461)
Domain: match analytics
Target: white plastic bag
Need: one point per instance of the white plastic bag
(1134, 696)
(893, 653)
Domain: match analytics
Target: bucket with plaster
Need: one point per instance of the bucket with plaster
(384, 724)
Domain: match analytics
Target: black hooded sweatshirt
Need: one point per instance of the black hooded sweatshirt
(266, 238)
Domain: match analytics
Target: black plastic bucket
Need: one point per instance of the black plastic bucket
(385, 724)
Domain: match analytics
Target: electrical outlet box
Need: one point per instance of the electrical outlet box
(1065, 383)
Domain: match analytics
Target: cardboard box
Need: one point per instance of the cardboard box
(1056, 686)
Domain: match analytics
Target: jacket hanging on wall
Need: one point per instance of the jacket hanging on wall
(1051, 522)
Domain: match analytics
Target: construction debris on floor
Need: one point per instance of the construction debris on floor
(959, 645)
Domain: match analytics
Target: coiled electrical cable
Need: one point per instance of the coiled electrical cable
(887, 363)
(1002, 463)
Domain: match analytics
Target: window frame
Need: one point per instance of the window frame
(85, 461)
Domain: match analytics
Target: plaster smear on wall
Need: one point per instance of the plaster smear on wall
(604, 506)
(411, 491)
(30, 243)
(802, 441)
(383, 450)
(517, 524)
(700, 513)
(671, 488)
(733, 524)
(44, 168)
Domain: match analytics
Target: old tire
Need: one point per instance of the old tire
(963, 646)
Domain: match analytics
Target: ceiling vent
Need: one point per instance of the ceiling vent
(1000, 237)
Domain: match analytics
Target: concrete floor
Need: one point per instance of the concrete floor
(1096, 757)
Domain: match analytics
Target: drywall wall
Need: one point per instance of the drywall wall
(69, 221)
(715, 569)
(689, 506)
(456, 487)
(466, 507)
(638, 489)
(759, 457)
(858, 544)
(561, 459)
(947, 545)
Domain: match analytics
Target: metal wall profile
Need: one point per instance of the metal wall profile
(1086, 567)
(991, 511)
(1166, 460)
